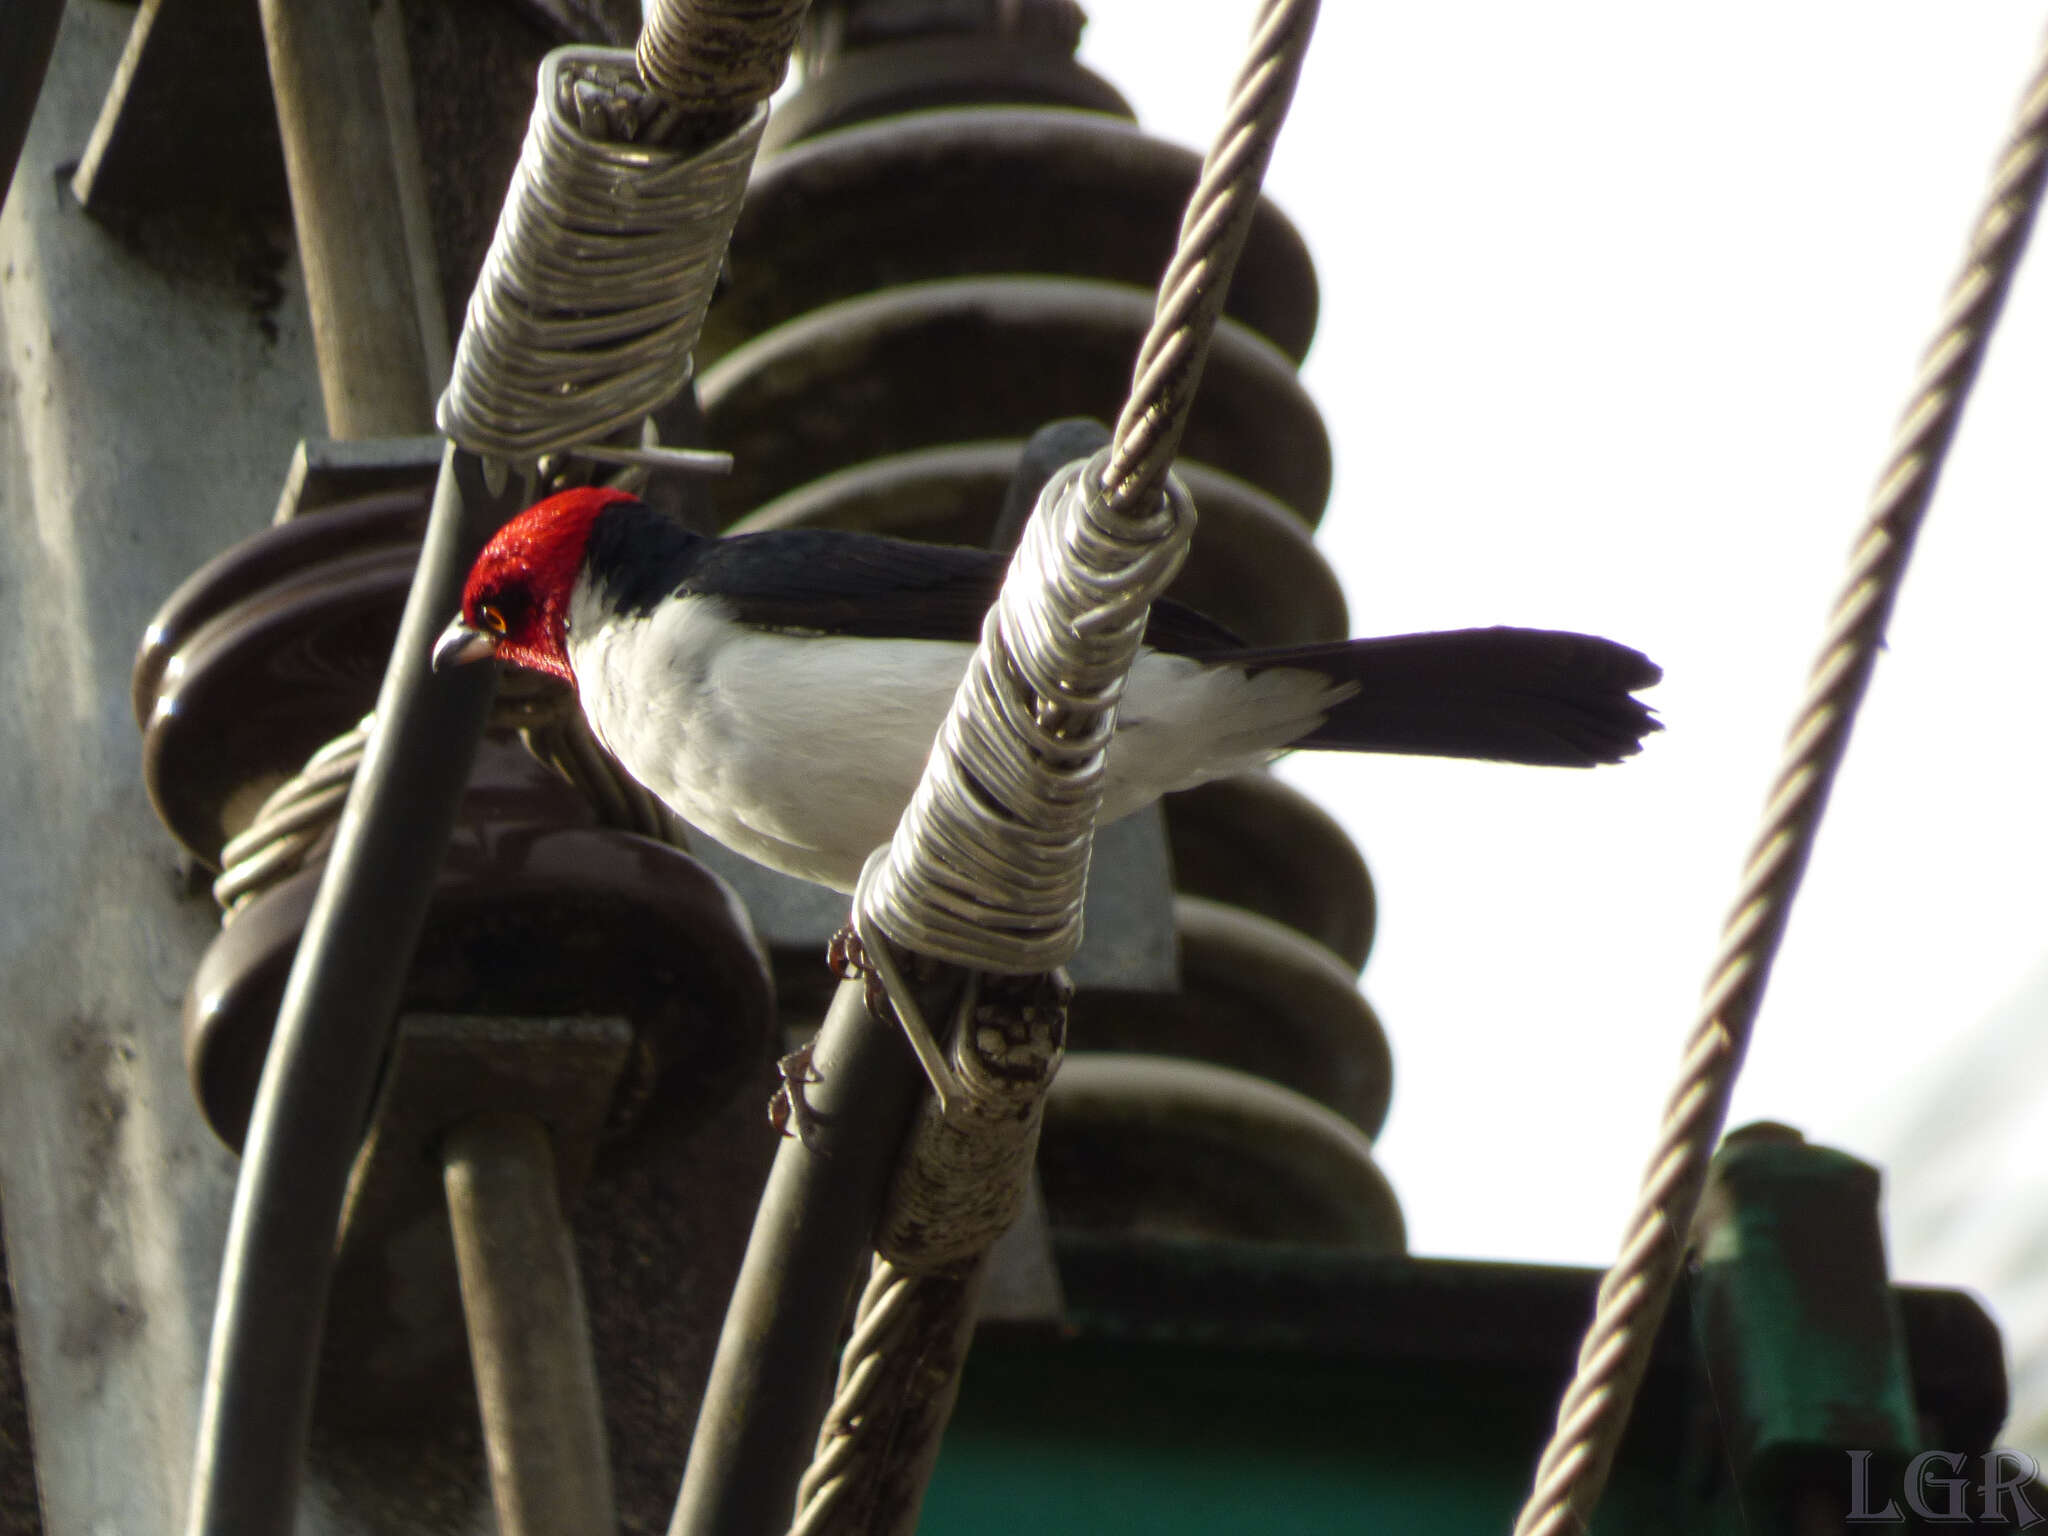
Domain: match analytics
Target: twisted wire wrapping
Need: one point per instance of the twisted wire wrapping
(601, 268)
(718, 55)
(291, 827)
(1594, 1409)
(990, 861)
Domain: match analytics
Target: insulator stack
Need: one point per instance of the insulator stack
(541, 917)
(951, 239)
(276, 647)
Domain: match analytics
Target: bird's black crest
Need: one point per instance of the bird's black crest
(831, 582)
(639, 556)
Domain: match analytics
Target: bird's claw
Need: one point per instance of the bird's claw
(789, 1110)
(847, 959)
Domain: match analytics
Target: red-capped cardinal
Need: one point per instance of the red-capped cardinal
(780, 691)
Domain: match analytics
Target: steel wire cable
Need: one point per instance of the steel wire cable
(1212, 233)
(1595, 1407)
(848, 1435)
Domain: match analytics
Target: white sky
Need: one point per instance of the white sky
(1620, 303)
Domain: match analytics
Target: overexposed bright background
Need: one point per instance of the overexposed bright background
(1620, 304)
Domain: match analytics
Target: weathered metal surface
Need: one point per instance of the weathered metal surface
(529, 1337)
(1059, 193)
(394, 1351)
(327, 471)
(344, 115)
(964, 1174)
(1800, 1329)
(1225, 1388)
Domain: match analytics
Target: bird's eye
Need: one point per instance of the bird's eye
(491, 618)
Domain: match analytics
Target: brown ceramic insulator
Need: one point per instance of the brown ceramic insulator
(275, 555)
(1258, 997)
(1253, 842)
(929, 73)
(955, 194)
(252, 693)
(1163, 1148)
(974, 359)
(1252, 565)
(528, 918)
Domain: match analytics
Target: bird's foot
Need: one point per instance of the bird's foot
(789, 1110)
(847, 959)
(844, 956)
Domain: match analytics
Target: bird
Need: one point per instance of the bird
(780, 691)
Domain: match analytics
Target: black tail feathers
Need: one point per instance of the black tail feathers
(1504, 695)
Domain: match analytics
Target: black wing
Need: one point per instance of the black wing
(865, 584)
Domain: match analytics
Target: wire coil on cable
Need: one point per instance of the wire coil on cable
(715, 55)
(601, 268)
(990, 862)
(293, 826)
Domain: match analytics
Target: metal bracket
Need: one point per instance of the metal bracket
(395, 1338)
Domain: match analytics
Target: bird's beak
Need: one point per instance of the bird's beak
(460, 645)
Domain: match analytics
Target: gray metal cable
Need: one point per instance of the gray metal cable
(988, 865)
(1212, 233)
(1595, 1407)
(842, 1466)
(897, 1382)
(601, 269)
